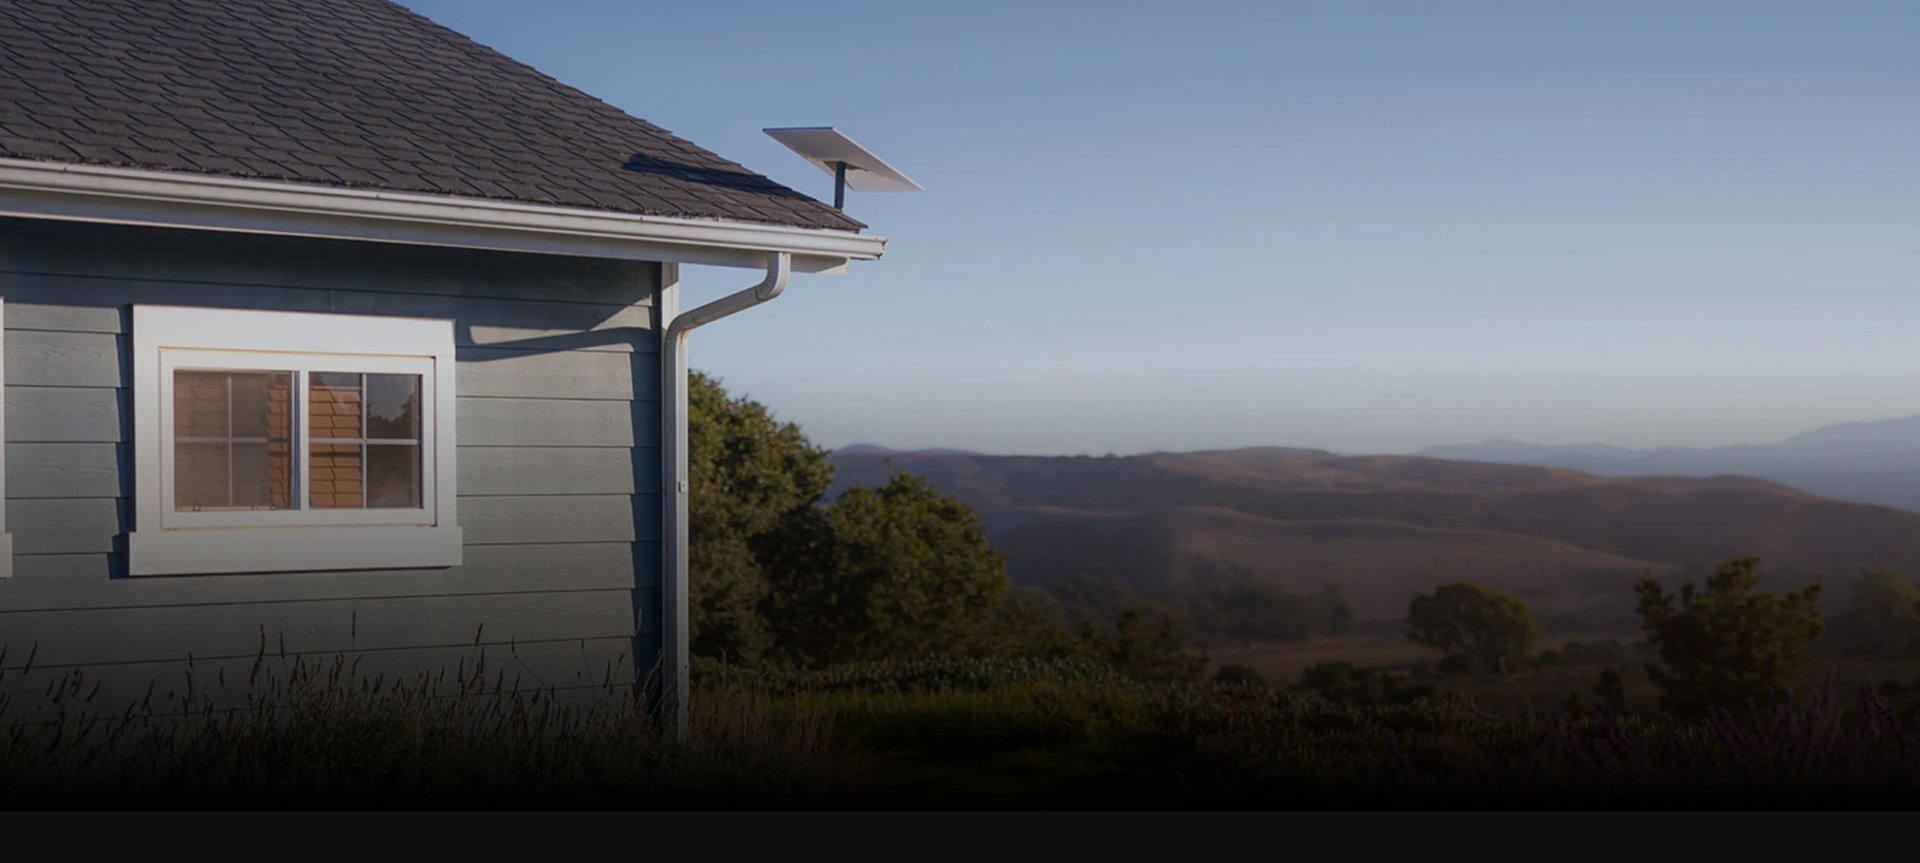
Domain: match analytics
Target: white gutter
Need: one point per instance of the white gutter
(675, 618)
(52, 190)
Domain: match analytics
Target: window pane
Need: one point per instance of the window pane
(230, 440)
(251, 395)
(280, 467)
(393, 476)
(200, 404)
(333, 405)
(393, 407)
(334, 476)
(200, 477)
(252, 471)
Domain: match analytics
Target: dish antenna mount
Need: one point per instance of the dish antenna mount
(852, 166)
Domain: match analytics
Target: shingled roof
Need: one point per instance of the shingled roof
(346, 93)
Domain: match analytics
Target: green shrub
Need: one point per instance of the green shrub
(1238, 675)
(1604, 652)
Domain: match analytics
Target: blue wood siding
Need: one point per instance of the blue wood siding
(557, 399)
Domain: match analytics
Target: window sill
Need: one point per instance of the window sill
(290, 549)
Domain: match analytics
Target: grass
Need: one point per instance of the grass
(1282, 663)
(1538, 690)
(320, 737)
(993, 734)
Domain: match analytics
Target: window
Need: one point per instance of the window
(283, 441)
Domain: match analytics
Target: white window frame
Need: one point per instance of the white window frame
(170, 542)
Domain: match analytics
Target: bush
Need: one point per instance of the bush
(1610, 690)
(1238, 675)
(1606, 652)
(1342, 682)
(1883, 621)
(944, 674)
(1142, 649)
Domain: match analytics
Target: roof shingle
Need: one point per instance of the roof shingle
(345, 93)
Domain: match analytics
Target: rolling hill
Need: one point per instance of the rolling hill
(1382, 528)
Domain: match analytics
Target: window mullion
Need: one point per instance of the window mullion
(229, 439)
(297, 437)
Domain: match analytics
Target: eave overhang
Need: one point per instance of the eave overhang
(91, 193)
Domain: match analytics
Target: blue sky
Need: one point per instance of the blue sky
(1359, 226)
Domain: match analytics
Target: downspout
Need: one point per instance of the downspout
(673, 463)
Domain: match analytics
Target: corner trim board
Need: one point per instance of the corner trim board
(6, 538)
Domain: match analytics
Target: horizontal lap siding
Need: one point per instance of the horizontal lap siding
(42, 358)
(557, 371)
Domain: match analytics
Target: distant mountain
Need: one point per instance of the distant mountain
(861, 449)
(1859, 438)
(1520, 452)
(1382, 528)
(876, 449)
(1874, 462)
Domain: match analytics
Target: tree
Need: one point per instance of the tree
(897, 570)
(1732, 642)
(747, 472)
(1029, 623)
(1477, 627)
(1610, 690)
(1143, 651)
(889, 571)
(1883, 621)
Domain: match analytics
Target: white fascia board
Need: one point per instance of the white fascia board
(91, 193)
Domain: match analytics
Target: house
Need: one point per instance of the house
(328, 331)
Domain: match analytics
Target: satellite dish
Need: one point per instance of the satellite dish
(852, 166)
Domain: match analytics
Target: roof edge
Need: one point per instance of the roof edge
(93, 193)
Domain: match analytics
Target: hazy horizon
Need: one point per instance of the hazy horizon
(1346, 451)
(1364, 227)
